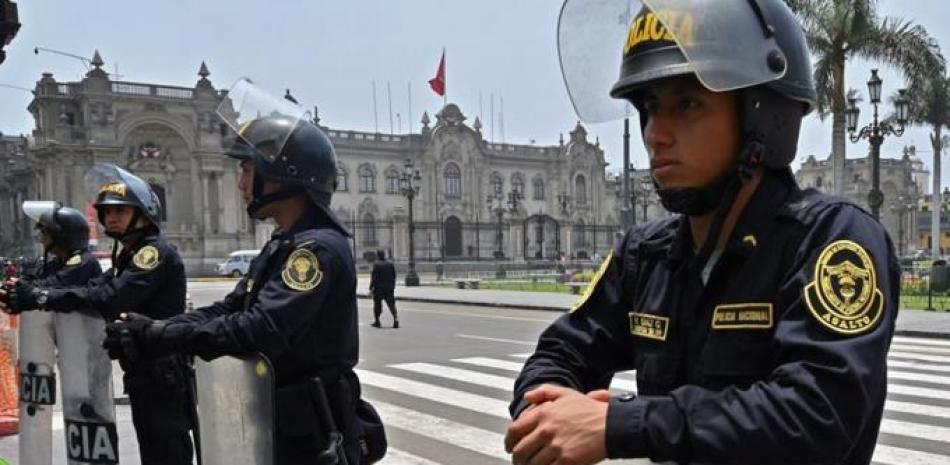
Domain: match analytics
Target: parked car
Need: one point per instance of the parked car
(237, 263)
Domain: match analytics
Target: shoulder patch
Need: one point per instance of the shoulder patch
(302, 270)
(843, 295)
(74, 260)
(589, 290)
(147, 257)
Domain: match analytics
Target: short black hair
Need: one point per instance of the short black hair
(381, 254)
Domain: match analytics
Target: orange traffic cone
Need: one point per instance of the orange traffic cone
(9, 393)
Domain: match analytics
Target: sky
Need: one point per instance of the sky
(329, 54)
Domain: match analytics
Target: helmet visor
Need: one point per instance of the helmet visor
(724, 42)
(247, 103)
(36, 209)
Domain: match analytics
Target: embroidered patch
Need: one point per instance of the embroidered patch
(742, 316)
(116, 188)
(249, 284)
(843, 296)
(302, 270)
(146, 258)
(649, 326)
(74, 260)
(589, 290)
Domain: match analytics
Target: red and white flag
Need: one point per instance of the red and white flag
(438, 82)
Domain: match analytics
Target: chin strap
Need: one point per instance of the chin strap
(260, 199)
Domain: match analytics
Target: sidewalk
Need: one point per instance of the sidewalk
(909, 322)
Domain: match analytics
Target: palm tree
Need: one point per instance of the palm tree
(930, 106)
(838, 30)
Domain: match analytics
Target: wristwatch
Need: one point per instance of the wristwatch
(41, 297)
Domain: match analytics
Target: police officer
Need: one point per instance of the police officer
(148, 276)
(757, 319)
(297, 304)
(382, 284)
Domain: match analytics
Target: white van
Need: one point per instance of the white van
(237, 263)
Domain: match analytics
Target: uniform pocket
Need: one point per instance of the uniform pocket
(737, 359)
(656, 372)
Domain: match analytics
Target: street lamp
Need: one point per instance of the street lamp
(497, 205)
(409, 184)
(901, 206)
(643, 194)
(875, 134)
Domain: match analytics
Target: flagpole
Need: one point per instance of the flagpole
(375, 106)
(445, 80)
(389, 95)
(491, 110)
(409, 93)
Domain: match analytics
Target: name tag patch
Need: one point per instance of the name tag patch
(649, 326)
(743, 316)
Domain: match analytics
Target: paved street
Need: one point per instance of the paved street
(442, 384)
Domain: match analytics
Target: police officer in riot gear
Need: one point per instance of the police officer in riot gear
(297, 304)
(148, 276)
(759, 318)
(85, 370)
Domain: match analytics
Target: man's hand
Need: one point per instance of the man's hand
(563, 427)
(17, 296)
(132, 337)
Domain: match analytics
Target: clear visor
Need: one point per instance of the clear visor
(246, 103)
(35, 209)
(106, 176)
(724, 43)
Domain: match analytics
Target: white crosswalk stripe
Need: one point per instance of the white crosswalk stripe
(923, 417)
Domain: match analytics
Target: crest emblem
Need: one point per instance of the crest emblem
(74, 260)
(146, 258)
(302, 270)
(843, 296)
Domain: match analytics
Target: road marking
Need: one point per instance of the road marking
(915, 356)
(921, 341)
(617, 383)
(917, 409)
(894, 388)
(453, 397)
(495, 339)
(475, 315)
(918, 366)
(467, 376)
(919, 349)
(458, 434)
(399, 457)
(907, 376)
(891, 455)
(915, 430)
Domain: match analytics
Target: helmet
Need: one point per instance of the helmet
(284, 147)
(107, 184)
(66, 226)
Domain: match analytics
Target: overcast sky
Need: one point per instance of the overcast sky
(330, 52)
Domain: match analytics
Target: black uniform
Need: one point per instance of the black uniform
(779, 358)
(148, 278)
(76, 270)
(297, 306)
(383, 284)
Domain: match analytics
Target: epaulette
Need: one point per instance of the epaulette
(808, 205)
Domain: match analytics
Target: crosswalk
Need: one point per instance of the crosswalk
(455, 411)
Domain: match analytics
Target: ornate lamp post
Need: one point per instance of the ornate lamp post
(564, 201)
(497, 206)
(643, 195)
(409, 184)
(875, 132)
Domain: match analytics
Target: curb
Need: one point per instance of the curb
(898, 332)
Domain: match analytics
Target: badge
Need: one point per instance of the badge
(302, 270)
(649, 326)
(843, 296)
(74, 260)
(146, 258)
(589, 290)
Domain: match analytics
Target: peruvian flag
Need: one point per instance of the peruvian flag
(438, 82)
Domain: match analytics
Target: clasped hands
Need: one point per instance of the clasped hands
(17, 296)
(561, 427)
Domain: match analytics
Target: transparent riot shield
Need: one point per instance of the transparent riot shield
(86, 379)
(37, 388)
(236, 410)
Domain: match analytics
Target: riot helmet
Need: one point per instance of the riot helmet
(284, 147)
(67, 227)
(107, 184)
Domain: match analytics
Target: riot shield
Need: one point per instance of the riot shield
(236, 410)
(37, 388)
(86, 379)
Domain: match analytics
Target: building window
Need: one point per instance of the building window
(367, 179)
(517, 185)
(392, 182)
(453, 180)
(497, 186)
(538, 189)
(340, 179)
(369, 230)
(580, 190)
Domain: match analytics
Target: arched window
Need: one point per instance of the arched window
(538, 189)
(580, 190)
(497, 185)
(340, 179)
(392, 181)
(517, 185)
(367, 179)
(369, 230)
(453, 180)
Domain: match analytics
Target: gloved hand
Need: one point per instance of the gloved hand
(133, 337)
(18, 296)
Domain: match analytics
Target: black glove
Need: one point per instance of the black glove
(24, 296)
(134, 337)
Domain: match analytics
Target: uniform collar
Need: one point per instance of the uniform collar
(306, 221)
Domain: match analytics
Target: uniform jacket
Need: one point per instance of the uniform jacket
(77, 269)
(779, 358)
(147, 277)
(383, 279)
